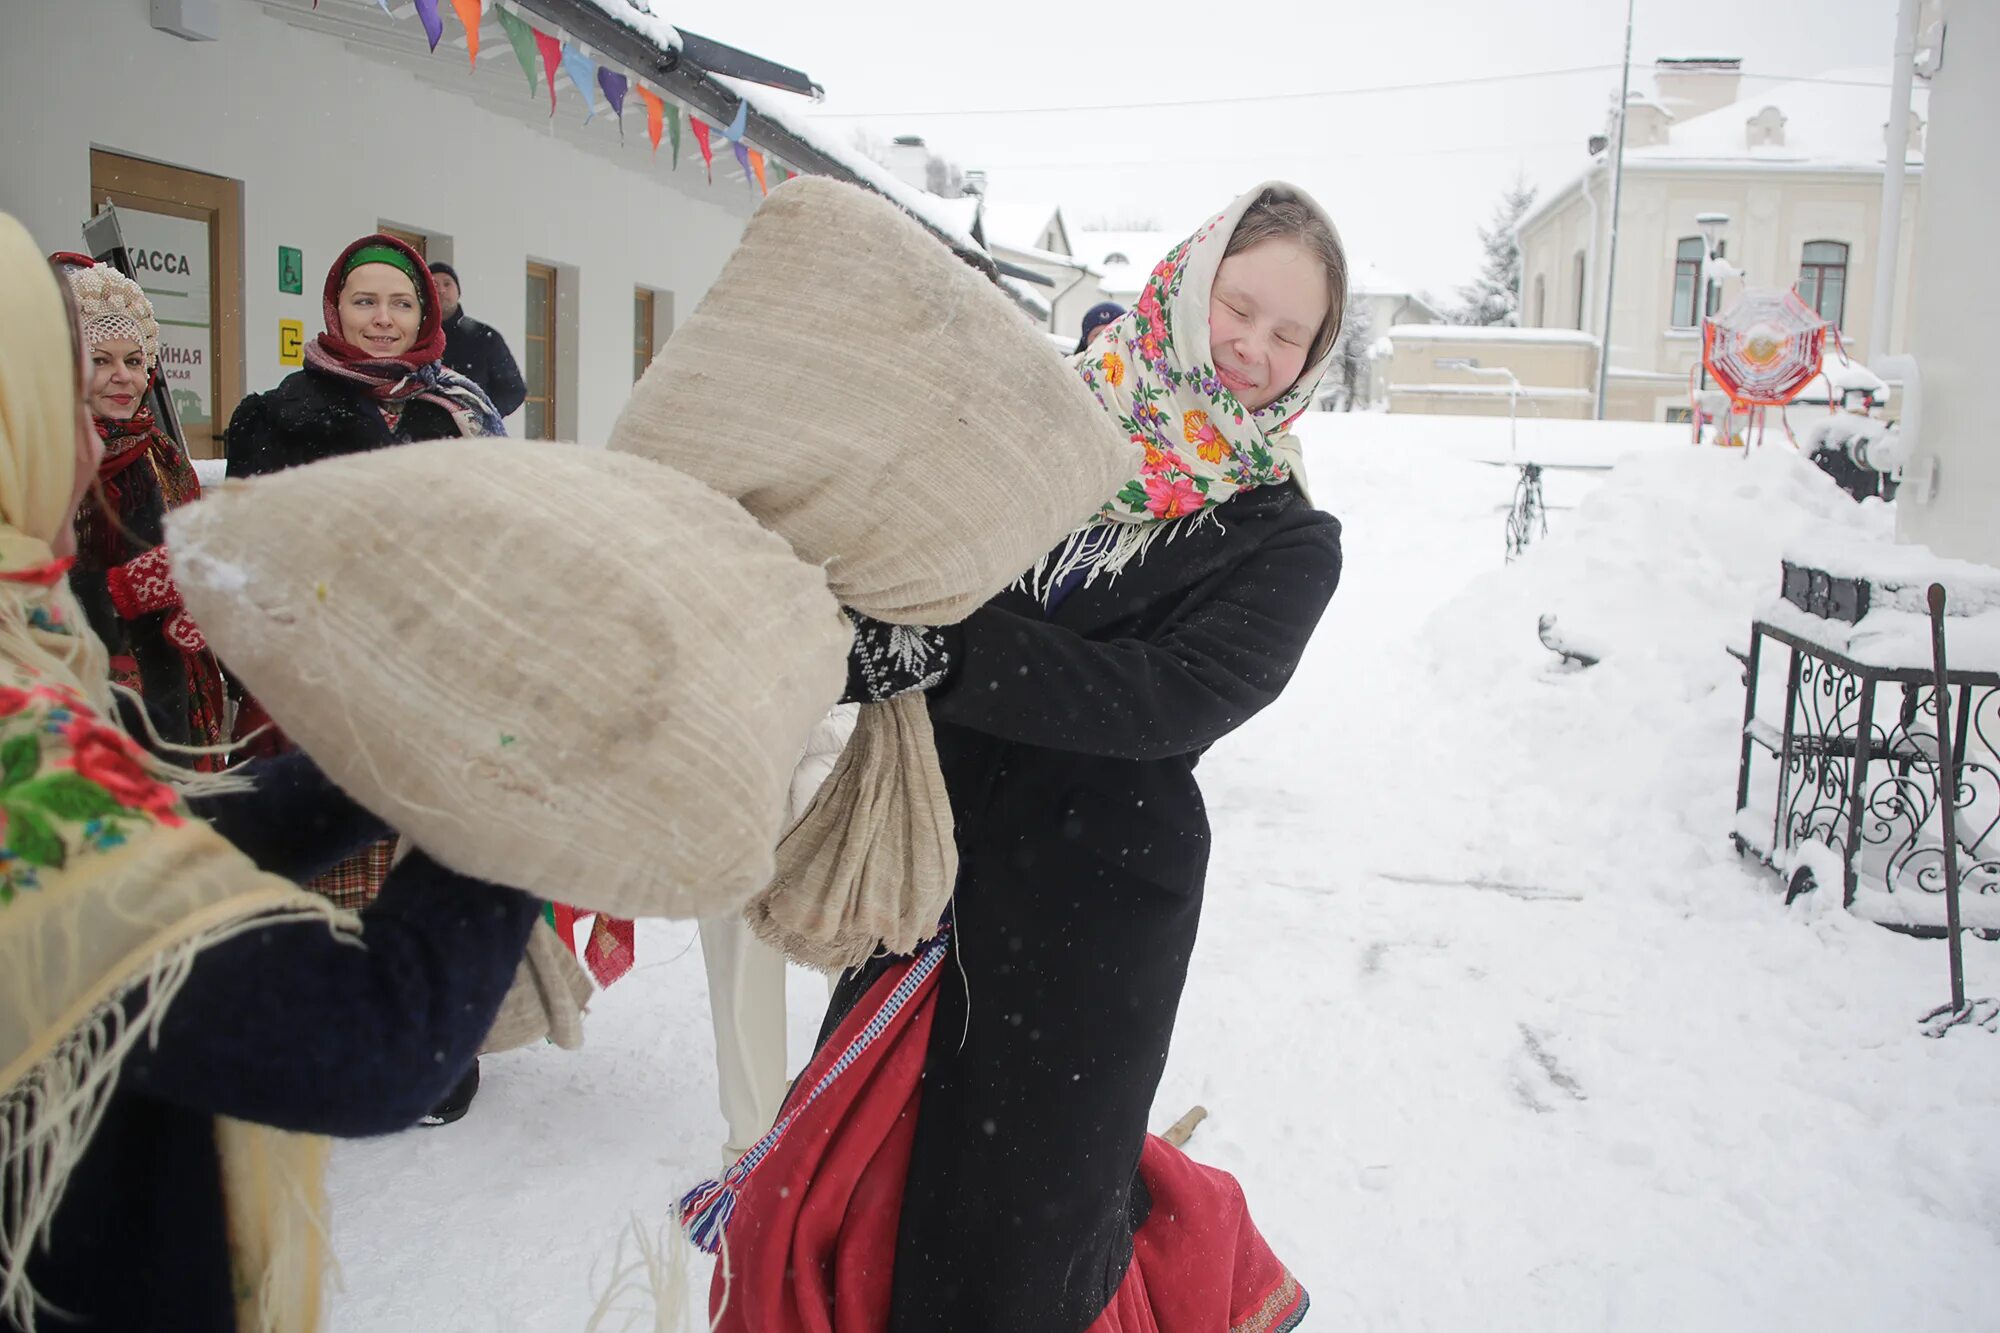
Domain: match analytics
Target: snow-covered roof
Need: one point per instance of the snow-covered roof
(1018, 223)
(1025, 296)
(1369, 279)
(1028, 254)
(640, 17)
(1498, 333)
(1832, 121)
(1125, 258)
(1838, 377)
(951, 217)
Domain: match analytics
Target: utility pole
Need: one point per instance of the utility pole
(1617, 196)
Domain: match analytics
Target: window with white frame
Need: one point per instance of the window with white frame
(1823, 279)
(1687, 276)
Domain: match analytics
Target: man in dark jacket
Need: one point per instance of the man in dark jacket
(476, 350)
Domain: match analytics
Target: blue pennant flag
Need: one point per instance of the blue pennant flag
(742, 120)
(583, 74)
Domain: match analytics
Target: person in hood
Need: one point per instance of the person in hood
(475, 349)
(1095, 318)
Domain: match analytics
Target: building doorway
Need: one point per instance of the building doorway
(184, 230)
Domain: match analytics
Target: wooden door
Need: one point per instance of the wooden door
(185, 233)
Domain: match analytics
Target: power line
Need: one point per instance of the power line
(1303, 157)
(1258, 98)
(1222, 101)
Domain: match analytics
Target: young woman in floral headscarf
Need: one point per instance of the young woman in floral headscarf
(121, 575)
(972, 1155)
(166, 1060)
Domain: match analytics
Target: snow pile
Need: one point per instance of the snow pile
(1666, 563)
(1492, 1024)
(1840, 376)
(1550, 441)
(1866, 440)
(1896, 632)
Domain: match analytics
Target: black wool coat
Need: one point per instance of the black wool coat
(1068, 742)
(283, 1025)
(477, 351)
(311, 416)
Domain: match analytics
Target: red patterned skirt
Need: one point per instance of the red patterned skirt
(806, 1222)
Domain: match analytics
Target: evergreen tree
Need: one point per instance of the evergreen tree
(1494, 297)
(1350, 356)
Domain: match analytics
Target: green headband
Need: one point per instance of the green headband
(383, 254)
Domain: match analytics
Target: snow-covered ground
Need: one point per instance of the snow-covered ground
(1492, 1024)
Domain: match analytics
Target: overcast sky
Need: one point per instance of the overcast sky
(1408, 175)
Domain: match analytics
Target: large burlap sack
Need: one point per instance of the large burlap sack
(568, 670)
(872, 862)
(879, 404)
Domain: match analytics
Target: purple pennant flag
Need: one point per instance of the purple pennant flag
(427, 10)
(615, 86)
(743, 159)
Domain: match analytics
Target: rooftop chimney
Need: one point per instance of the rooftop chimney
(910, 159)
(1692, 86)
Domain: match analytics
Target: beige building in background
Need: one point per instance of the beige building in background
(1556, 370)
(1798, 170)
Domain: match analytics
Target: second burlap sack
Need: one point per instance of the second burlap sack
(881, 405)
(567, 670)
(885, 408)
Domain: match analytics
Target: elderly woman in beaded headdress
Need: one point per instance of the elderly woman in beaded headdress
(121, 574)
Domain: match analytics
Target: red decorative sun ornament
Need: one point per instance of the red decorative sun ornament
(1764, 349)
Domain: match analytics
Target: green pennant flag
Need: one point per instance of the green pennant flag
(674, 130)
(522, 37)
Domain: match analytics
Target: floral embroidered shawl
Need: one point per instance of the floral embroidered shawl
(109, 888)
(1152, 370)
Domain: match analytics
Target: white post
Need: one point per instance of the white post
(1617, 197)
(1889, 243)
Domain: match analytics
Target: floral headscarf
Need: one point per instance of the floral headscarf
(1152, 370)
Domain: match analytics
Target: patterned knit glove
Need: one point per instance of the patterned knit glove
(145, 584)
(888, 660)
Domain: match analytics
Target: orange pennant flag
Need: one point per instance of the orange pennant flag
(469, 14)
(655, 112)
(757, 165)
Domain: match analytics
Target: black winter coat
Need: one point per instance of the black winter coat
(311, 416)
(284, 1025)
(1068, 743)
(478, 352)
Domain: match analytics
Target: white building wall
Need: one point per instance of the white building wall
(1956, 294)
(329, 142)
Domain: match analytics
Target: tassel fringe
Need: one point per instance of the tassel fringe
(706, 1210)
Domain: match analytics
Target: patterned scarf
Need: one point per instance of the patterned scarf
(1151, 369)
(119, 530)
(137, 499)
(417, 373)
